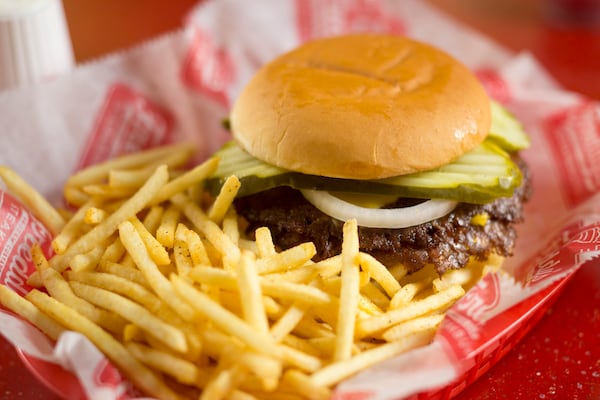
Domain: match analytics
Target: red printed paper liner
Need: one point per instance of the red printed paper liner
(54, 377)
(128, 121)
(511, 326)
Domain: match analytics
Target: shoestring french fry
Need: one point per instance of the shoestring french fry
(165, 233)
(122, 286)
(224, 319)
(94, 216)
(103, 230)
(230, 226)
(72, 228)
(99, 173)
(380, 273)
(182, 258)
(74, 196)
(152, 219)
(182, 370)
(349, 292)
(409, 311)
(141, 375)
(87, 261)
(249, 287)
(195, 247)
(337, 371)
(190, 178)
(133, 312)
(187, 305)
(33, 200)
(105, 192)
(287, 259)
(304, 385)
(59, 289)
(159, 283)
(125, 178)
(224, 199)
(130, 273)
(19, 305)
(419, 324)
(213, 233)
(288, 321)
(157, 252)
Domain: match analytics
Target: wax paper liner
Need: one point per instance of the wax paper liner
(180, 86)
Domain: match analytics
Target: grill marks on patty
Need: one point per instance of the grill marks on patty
(447, 242)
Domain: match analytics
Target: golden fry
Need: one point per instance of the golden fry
(379, 272)
(161, 285)
(87, 261)
(230, 226)
(153, 218)
(180, 369)
(113, 252)
(349, 293)
(127, 178)
(165, 233)
(127, 288)
(287, 322)
(286, 260)
(250, 290)
(94, 216)
(72, 228)
(299, 359)
(107, 227)
(75, 196)
(336, 372)
(156, 251)
(411, 310)
(22, 307)
(33, 200)
(60, 290)
(419, 324)
(129, 273)
(99, 173)
(217, 238)
(196, 248)
(224, 199)
(264, 242)
(139, 374)
(133, 312)
(190, 178)
(224, 319)
(305, 386)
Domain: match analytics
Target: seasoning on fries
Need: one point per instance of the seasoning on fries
(185, 304)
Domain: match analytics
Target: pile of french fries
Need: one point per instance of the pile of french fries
(161, 278)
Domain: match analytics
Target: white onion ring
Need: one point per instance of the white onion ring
(379, 217)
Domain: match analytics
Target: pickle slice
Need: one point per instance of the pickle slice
(506, 130)
(480, 176)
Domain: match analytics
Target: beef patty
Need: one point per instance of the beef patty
(446, 242)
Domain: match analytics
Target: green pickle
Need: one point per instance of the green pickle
(479, 176)
(506, 130)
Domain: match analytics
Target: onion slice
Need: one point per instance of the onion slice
(379, 217)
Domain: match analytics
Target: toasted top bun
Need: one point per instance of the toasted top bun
(361, 107)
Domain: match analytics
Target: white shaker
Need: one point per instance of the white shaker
(34, 42)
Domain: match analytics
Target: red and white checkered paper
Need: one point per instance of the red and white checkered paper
(180, 86)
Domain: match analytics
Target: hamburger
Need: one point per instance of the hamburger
(387, 130)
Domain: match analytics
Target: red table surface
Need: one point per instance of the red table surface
(560, 357)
